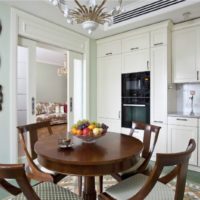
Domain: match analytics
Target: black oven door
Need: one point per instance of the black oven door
(135, 112)
(136, 84)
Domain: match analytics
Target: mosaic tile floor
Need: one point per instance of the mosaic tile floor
(192, 190)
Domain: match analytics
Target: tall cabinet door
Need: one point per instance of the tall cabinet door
(184, 55)
(159, 85)
(109, 91)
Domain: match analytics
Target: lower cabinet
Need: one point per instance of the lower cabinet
(161, 145)
(178, 138)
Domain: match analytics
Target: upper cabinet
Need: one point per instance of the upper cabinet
(159, 37)
(135, 43)
(109, 48)
(186, 55)
(136, 53)
(136, 61)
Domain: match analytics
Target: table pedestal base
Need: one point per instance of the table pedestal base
(89, 192)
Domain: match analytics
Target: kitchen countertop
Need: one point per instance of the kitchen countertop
(181, 114)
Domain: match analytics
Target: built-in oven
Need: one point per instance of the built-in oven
(135, 109)
(136, 84)
(135, 98)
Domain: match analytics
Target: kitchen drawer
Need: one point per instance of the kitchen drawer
(135, 43)
(109, 48)
(183, 121)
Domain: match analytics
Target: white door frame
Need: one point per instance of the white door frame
(34, 28)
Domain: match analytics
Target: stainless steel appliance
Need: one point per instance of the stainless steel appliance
(135, 98)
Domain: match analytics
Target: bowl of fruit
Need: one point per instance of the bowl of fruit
(88, 131)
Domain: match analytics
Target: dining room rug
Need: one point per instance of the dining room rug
(192, 190)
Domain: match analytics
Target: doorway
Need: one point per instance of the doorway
(43, 92)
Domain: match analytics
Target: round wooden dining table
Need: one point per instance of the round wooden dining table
(110, 154)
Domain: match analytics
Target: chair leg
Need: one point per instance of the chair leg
(80, 185)
(100, 184)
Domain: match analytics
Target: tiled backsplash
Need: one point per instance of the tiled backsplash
(184, 97)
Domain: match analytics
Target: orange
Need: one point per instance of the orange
(79, 132)
(74, 131)
(91, 126)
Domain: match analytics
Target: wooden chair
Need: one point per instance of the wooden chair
(153, 187)
(34, 169)
(151, 133)
(43, 191)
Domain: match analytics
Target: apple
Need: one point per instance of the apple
(86, 131)
(96, 131)
(100, 130)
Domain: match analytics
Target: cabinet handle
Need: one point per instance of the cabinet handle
(161, 122)
(148, 68)
(135, 48)
(158, 44)
(197, 75)
(119, 114)
(108, 54)
(181, 119)
(33, 105)
(71, 104)
(134, 105)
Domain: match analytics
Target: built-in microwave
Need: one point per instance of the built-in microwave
(136, 84)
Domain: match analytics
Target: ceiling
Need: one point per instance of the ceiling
(43, 9)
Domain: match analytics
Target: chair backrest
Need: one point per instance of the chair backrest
(179, 161)
(151, 132)
(16, 171)
(32, 130)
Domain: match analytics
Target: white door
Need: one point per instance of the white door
(136, 61)
(29, 49)
(159, 85)
(75, 88)
(178, 138)
(184, 55)
(109, 91)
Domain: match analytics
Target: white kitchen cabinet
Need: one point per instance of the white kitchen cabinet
(109, 91)
(161, 145)
(158, 37)
(109, 48)
(185, 55)
(159, 74)
(179, 136)
(136, 61)
(136, 42)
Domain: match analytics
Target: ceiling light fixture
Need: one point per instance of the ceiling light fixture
(90, 14)
(62, 71)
